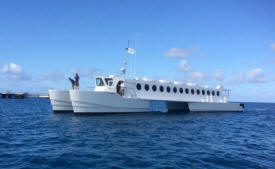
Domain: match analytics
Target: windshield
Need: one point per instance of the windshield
(99, 82)
(109, 81)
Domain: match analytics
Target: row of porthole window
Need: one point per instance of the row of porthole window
(175, 90)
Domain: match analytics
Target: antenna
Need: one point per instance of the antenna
(123, 69)
(130, 60)
(135, 58)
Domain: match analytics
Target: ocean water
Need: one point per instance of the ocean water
(32, 136)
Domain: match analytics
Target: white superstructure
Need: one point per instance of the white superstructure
(175, 91)
(115, 94)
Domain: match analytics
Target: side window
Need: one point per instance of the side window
(181, 90)
(213, 93)
(99, 82)
(146, 87)
(218, 93)
(161, 89)
(186, 90)
(175, 90)
(168, 89)
(208, 92)
(109, 81)
(154, 88)
(138, 86)
(192, 91)
(198, 92)
(203, 92)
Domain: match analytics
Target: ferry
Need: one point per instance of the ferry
(136, 95)
(121, 94)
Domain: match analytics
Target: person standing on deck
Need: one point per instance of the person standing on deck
(76, 77)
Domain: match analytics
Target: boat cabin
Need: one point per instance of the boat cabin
(111, 84)
(160, 90)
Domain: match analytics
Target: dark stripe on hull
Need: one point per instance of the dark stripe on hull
(62, 111)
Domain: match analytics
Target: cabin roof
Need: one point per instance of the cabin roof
(146, 80)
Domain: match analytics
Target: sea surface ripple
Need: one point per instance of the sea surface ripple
(32, 136)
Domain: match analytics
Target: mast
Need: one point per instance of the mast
(135, 59)
(130, 61)
(123, 69)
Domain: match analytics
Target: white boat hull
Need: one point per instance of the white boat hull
(215, 107)
(204, 107)
(106, 102)
(60, 100)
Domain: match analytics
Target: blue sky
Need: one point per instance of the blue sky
(207, 42)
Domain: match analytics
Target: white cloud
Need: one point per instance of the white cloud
(85, 72)
(198, 76)
(57, 75)
(218, 75)
(54, 76)
(11, 68)
(177, 53)
(195, 48)
(256, 75)
(238, 78)
(183, 66)
(202, 56)
(181, 53)
(189, 73)
(14, 72)
(272, 46)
